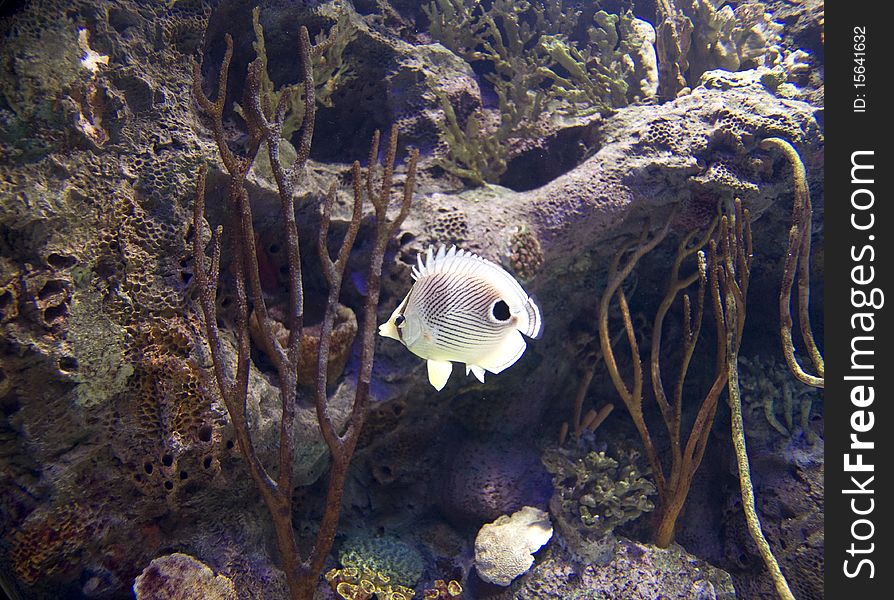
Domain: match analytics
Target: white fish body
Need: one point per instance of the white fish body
(463, 308)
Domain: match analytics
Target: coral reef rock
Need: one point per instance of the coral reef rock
(487, 480)
(637, 572)
(181, 577)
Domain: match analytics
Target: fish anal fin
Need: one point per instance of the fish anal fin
(439, 372)
(506, 354)
(477, 371)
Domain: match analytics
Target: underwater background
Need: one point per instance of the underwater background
(194, 401)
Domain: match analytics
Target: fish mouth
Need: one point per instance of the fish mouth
(387, 329)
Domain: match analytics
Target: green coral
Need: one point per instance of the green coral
(600, 491)
(485, 160)
(501, 37)
(330, 70)
(594, 493)
(598, 71)
(40, 65)
(387, 555)
(351, 583)
(534, 65)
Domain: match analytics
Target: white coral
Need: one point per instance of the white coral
(504, 548)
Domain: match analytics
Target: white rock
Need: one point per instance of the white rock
(504, 548)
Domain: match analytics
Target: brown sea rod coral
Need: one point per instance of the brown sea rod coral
(265, 124)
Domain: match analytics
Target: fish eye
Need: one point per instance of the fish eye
(399, 320)
(500, 310)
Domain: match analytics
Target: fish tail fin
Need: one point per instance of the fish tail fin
(531, 321)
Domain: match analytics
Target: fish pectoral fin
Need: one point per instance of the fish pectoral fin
(506, 354)
(439, 372)
(477, 371)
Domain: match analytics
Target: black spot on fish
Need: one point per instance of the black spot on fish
(501, 311)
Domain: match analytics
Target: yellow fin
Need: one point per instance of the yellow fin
(439, 372)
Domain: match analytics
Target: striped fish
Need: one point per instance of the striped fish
(463, 308)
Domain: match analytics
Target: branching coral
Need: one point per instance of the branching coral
(768, 389)
(537, 64)
(595, 493)
(614, 66)
(673, 487)
(265, 117)
(725, 273)
(797, 262)
(329, 70)
(732, 254)
(695, 36)
(498, 36)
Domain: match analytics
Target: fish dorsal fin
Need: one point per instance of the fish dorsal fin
(456, 261)
(477, 371)
(439, 372)
(435, 262)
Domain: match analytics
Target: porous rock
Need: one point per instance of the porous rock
(637, 571)
(483, 481)
(181, 577)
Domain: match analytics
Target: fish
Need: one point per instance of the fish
(466, 309)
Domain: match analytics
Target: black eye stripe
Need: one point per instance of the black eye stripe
(399, 320)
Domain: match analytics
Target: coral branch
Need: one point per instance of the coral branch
(733, 267)
(593, 423)
(797, 260)
(265, 126)
(342, 447)
(674, 487)
(591, 357)
(684, 462)
(232, 389)
(672, 46)
(632, 397)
